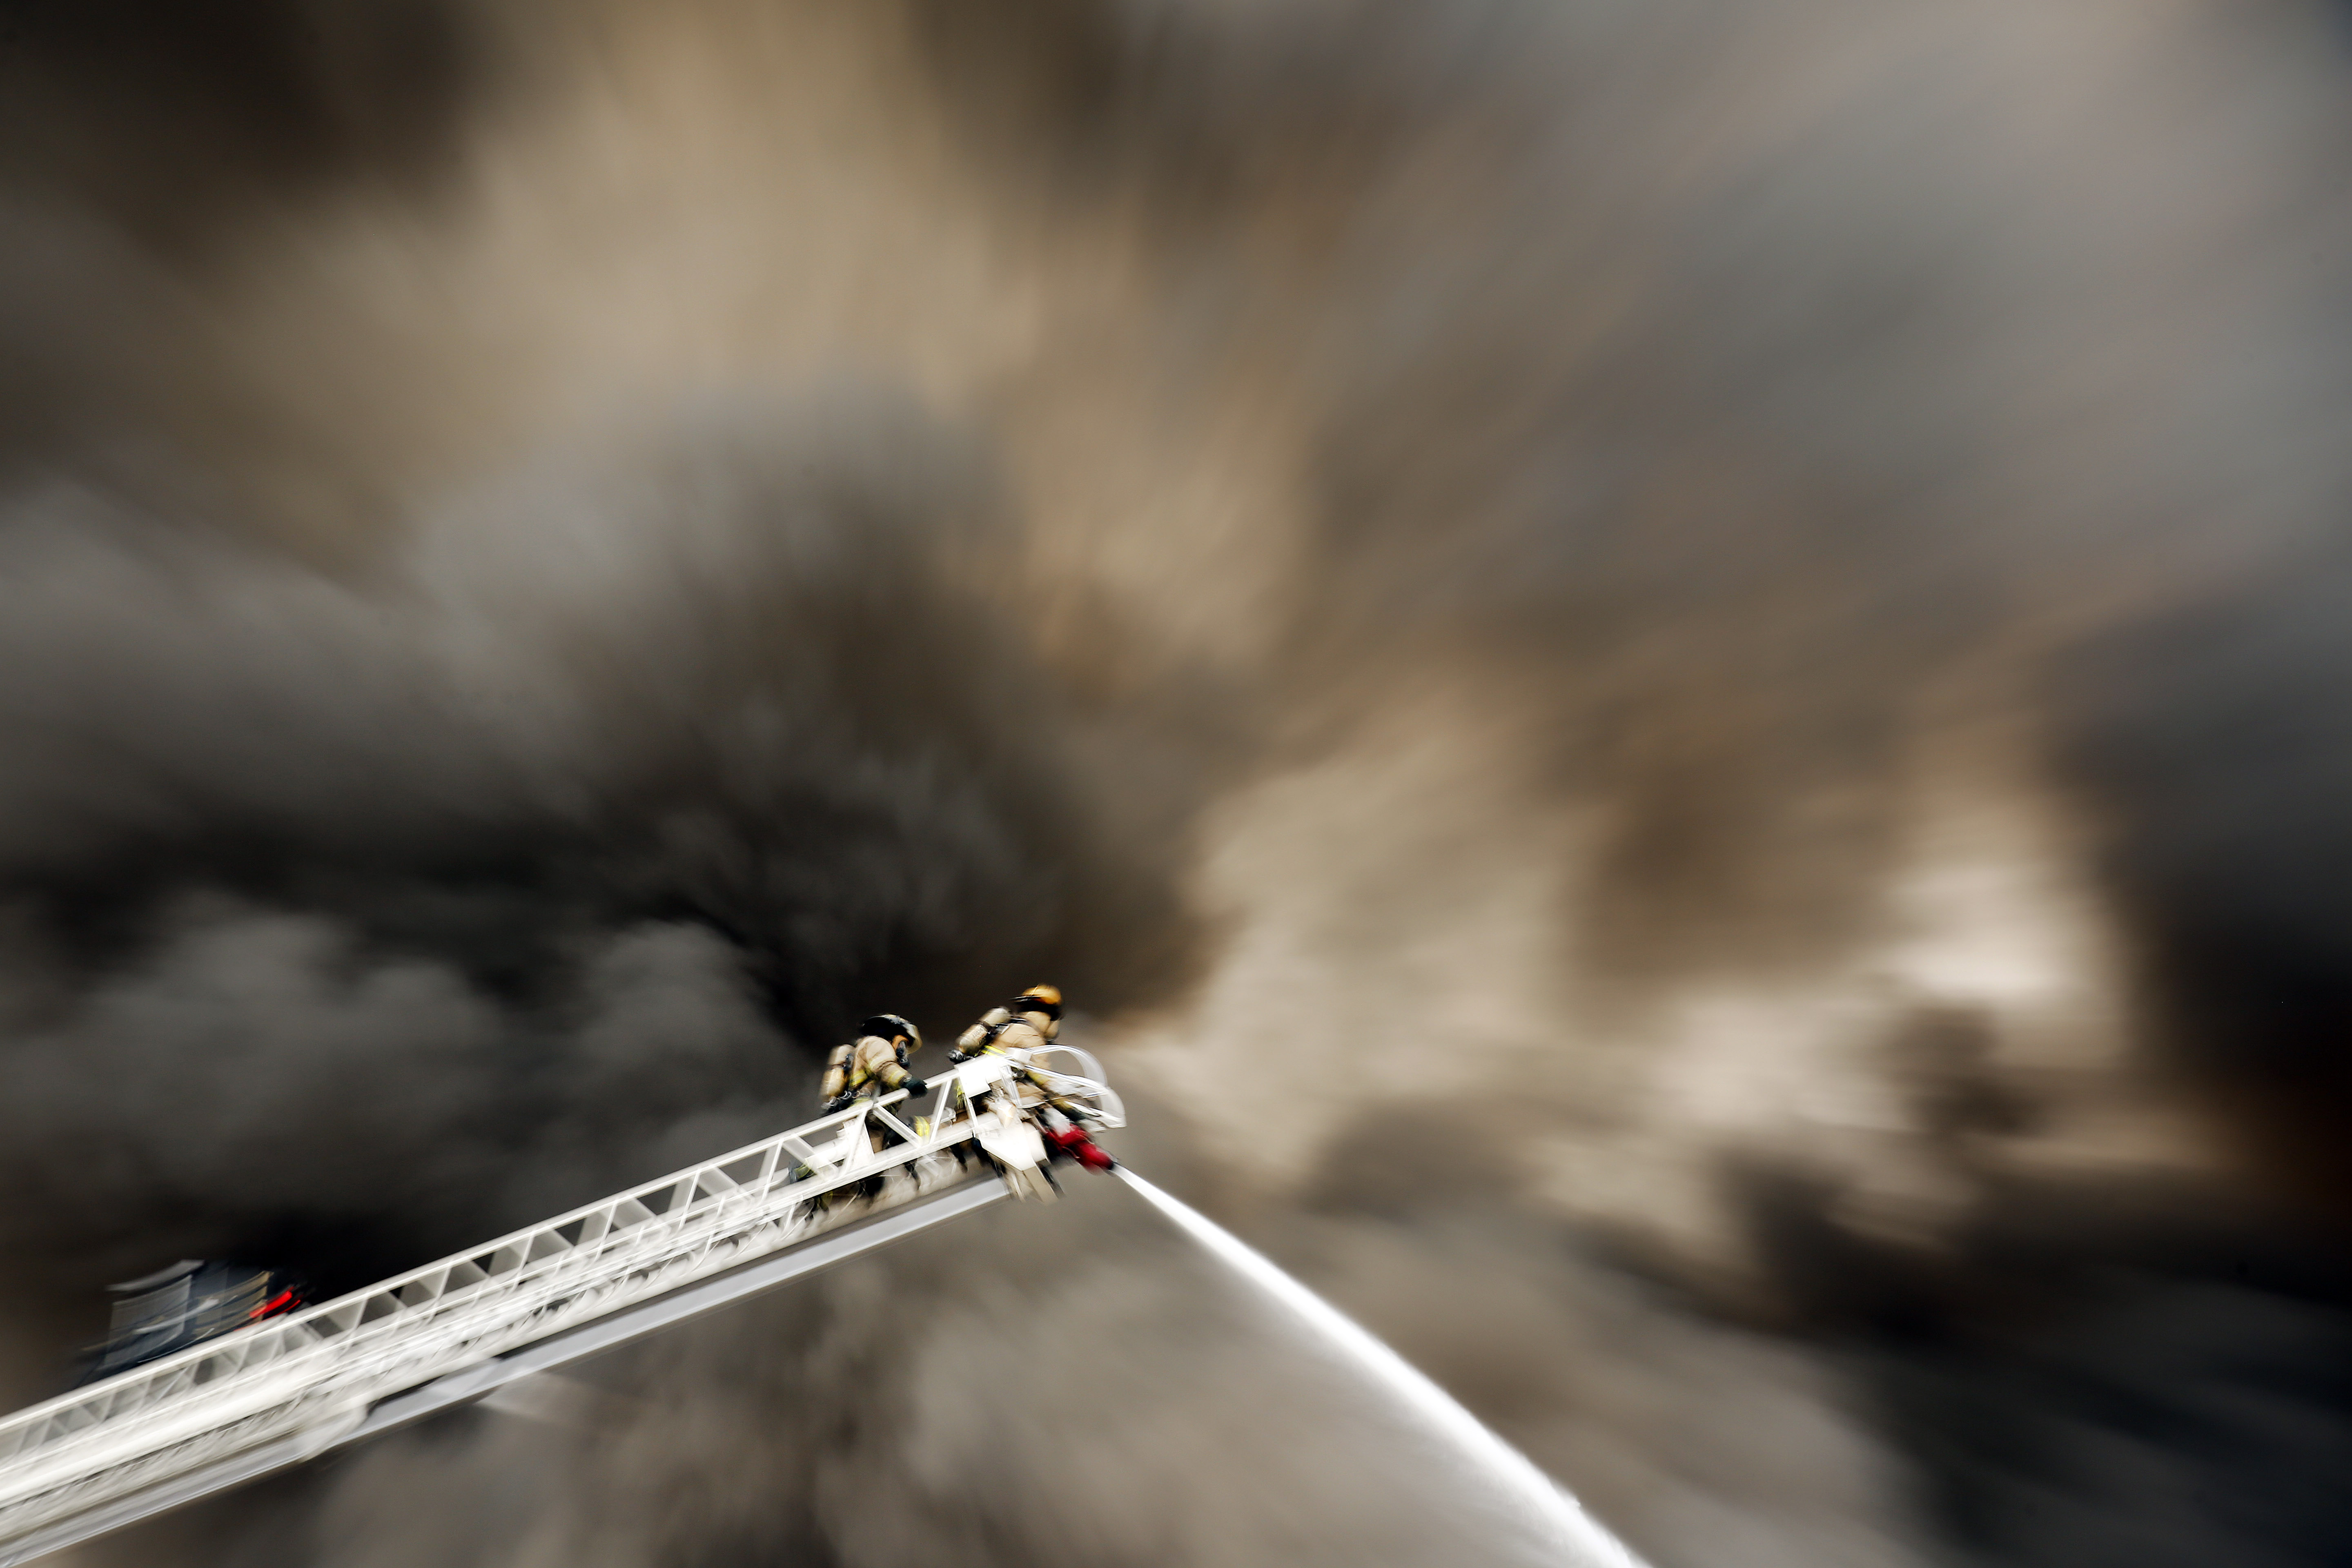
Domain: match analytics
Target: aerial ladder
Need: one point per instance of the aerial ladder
(290, 1388)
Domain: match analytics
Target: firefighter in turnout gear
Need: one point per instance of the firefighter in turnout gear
(873, 1064)
(1019, 1031)
(1022, 1027)
(870, 1066)
(1028, 1023)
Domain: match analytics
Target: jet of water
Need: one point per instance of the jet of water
(1531, 1496)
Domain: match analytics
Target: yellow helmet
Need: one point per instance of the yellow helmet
(1046, 999)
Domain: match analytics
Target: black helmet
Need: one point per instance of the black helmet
(890, 1026)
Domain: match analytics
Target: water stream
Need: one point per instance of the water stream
(1509, 1476)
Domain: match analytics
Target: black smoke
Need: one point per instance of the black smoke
(323, 891)
(2215, 738)
(1415, 558)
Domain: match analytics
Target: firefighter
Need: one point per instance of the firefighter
(1020, 1030)
(1021, 1027)
(870, 1066)
(1027, 1022)
(873, 1064)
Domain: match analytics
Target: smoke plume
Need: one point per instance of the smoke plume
(1663, 679)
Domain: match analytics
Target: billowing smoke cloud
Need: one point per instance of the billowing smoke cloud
(543, 822)
(1654, 668)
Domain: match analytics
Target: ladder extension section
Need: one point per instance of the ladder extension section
(307, 1381)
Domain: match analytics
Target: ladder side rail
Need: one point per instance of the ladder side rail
(97, 1505)
(379, 1356)
(657, 1252)
(653, 1249)
(327, 1313)
(655, 1257)
(530, 1299)
(678, 1241)
(520, 1243)
(718, 1217)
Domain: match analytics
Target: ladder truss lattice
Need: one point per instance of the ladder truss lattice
(149, 1437)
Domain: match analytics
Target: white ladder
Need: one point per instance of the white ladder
(284, 1390)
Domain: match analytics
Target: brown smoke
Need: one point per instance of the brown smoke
(1663, 674)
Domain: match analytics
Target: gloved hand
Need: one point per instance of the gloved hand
(841, 1101)
(916, 1086)
(956, 1055)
